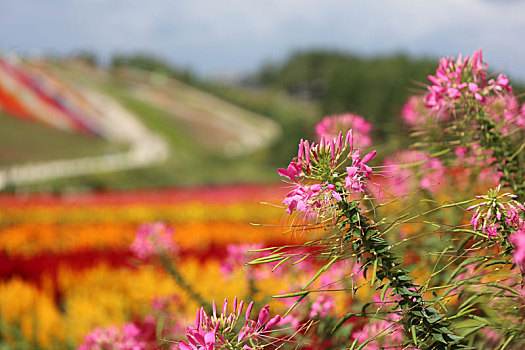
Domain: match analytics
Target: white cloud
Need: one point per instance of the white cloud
(210, 34)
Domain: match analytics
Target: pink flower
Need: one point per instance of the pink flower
(331, 126)
(518, 240)
(125, 337)
(322, 306)
(359, 172)
(462, 79)
(498, 215)
(407, 171)
(153, 239)
(292, 172)
(314, 199)
(237, 255)
(415, 113)
(221, 331)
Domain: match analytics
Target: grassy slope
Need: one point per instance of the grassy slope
(24, 141)
(189, 162)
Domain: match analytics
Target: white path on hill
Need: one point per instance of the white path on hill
(248, 131)
(144, 148)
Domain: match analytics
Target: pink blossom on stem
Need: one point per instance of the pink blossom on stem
(359, 172)
(461, 79)
(330, 126)
(314, 199)
(518, 240)
(153, 239)
(125, 337)
(237, 255)
(407, 171)
(498, 215)
(322, 306)
(222, 331)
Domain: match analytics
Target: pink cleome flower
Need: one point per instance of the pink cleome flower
(153, 239)
(505, 112)
(314, 199)
(415, 113)
(462, 79)
(125, 337)
(214, 331)
(518, 240)
(407, 171)
(331, 126)
(320, 162)
(238, 255)
(498, 215)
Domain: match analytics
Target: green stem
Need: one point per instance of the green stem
(421, 322)
(181, 281)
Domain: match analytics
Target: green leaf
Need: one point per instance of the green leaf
(439, 337)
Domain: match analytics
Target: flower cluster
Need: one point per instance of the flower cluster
(322, 306)
(153, 239)
(222, 331)
(415, 113)
(126, 337)
(462, 80)
(321, 161)
(505, 112)
(476, 157)
(407, 171)
(498, 215)
(311, 200)
(330, 126)
(518, 240)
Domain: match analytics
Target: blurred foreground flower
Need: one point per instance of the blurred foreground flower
(223, 331)
(126, 337)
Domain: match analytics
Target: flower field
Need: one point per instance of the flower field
(66, 265)
(422, 248)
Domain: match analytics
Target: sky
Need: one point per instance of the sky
(225, 36)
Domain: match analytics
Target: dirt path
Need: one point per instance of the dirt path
(144, 148)
(218, 124)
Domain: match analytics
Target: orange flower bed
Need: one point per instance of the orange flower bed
(70, 260)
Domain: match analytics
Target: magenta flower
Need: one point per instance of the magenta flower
(322, 306)
(125, 337)
(237, 255)
(315, 199)
(415, 113)
(359, 172)
(461, 79)
(211, 332)
(322, 162)
(518, 240)
(330, 127)
(153, 239)
(407, 171)
(498, 215)
(505, 111)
